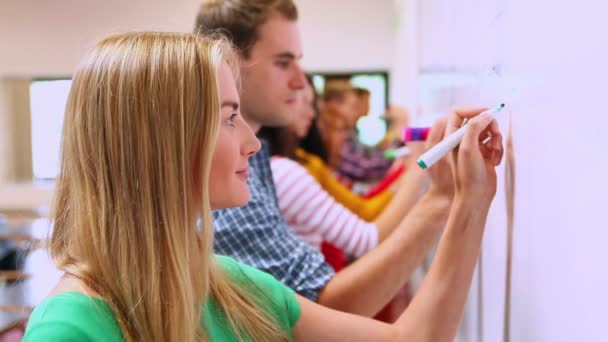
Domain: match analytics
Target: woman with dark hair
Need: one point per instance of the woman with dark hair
(312, 142)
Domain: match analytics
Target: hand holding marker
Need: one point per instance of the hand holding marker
(444, 147)
(421, 134)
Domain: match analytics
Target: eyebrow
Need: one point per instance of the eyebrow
(233, 104)
(287, 55)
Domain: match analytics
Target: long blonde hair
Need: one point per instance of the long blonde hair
(140, 128)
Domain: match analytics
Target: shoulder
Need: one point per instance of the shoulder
(275, 297)
(244, 274)
(285, 164)
(72, 316)
(285, 168)
(309, 158)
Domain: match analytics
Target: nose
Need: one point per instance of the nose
(250, 144)
(298, 79)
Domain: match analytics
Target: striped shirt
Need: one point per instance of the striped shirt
(315, 215)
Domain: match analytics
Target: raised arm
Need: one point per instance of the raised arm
(366, 285)
(436, 311)
(408, 193)
(369, 283)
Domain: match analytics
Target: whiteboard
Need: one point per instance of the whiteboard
(549, 61)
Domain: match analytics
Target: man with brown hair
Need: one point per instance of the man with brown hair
(268, 38)
(266, 32)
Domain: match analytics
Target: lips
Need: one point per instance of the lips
(243, 174)
(291, 99)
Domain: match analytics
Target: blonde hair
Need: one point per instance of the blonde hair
(140, 128)
(239, 20)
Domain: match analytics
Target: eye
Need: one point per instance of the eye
(230, 120)
(282, 64)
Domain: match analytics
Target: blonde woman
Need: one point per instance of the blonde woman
(152, 140)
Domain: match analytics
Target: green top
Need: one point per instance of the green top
(74, 316)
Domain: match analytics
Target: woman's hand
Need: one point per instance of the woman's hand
(441, 175)
(473, 162)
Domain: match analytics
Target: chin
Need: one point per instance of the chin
(287, 115)
(238, 200)
(281, 121)
(302, 134)
(234, 204)
(243, 199)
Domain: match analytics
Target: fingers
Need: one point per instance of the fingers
(475, 127)
(495, 143)
(437, 132)
(460, 114)
(469, 112)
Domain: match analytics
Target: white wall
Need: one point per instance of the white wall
(555, 55)
(48, 38)
(344, 35)
(560, 274)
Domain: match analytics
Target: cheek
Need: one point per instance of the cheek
(338, 138)
(222, 164)
(263, 72)
(215, 175)
(299, 120)
(281, 77)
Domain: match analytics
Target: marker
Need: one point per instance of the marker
(446, 145)
(415, 134)
(394, 153)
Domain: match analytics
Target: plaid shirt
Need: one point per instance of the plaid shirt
(258, 235)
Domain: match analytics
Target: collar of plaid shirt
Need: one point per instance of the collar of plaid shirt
(257, 235)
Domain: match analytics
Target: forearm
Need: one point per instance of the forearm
(365, 286)
(436, 311)
(403, 201)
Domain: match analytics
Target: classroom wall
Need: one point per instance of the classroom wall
(560, 278)
(551, 58)
(48, 38)
(5, 137)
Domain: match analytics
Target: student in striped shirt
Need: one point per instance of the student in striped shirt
(312, 212)
(315, 215)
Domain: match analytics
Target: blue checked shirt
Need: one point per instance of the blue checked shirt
(258, 235)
